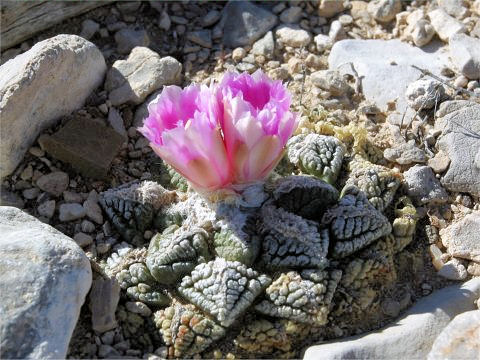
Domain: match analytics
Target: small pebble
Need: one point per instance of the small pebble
(46, 208)
(82, 239)
(36, 151)
(87, 226)
(30, 194)
(138, 307)
(238, 54)
(70, 212)
(461, 81)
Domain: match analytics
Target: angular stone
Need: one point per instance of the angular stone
(461, 238)
(291, 15)
(445, 25)
(330, 8)
(34, 93)
(405, 153)
(79, 144)
(54, 183)
(44, 279)
(384, 10)
(292, 35)
(454, 8)
(8, 198)
(103, 304)
(460, 339)
(143, 72)
(423, 186)
(46, 209)
(465, 53)
(70, 212)
(201, 37)
(127, 39)
(410, 337)
(244, 23)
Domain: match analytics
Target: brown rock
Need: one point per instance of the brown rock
(103, 304)
(85, 144)
(439, 163)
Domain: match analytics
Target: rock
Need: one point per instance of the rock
(445, 25)
(22, 19)
(47, 208)
(292, 35)
(454, 8)
(164, 21)
(465, 53)
(132, 80)
(244, 23)
(142, 111)
(453, 270)
(44, 280)
(87, 226)
(410, 337)
(323, 42)
(386, 66)
(127, 39)
(201, 37)
(238, 54)
(460, 339)
(384, 11)
(54, 183)
(70, 212)
(211, 18)
(89, 28)
(30, 194)
(424, 93)
(83, 239)
(138, 307)
(104, 299)
(42, 70)
(423, 186)
(108, 352)
(330, 8)
(78, 144)
(116, 122)
(439, 163)
(93, 211)
(336, 32)
(265, 46)
(8, 198)
(291, 15)
(460, 141)
(422, 33)
(461, 238)
(331, 81)
(405, 153)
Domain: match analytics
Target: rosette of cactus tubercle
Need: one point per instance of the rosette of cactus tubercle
(224, 135)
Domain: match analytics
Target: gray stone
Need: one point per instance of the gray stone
(78, 144)
(424, 93)
(445, 25)
(201, 37)
(422, 33)
(128, 7)
(454, 8)
(8, 198)
(44, 279)
(465, 53)
(460, 339)
(330, 8)
(127, 39)
(82, 239)
(460, 140)
(211, 18)
(292, 35)
(323, 42)
(439, 163)
(461, 238)
(291, 15)
(30, 194)
(70, 212)
(116, 122)
(132, 80)
(93, 211)
(384, 11)
(386, 66)
(104, 299)
(47, 208)
(89, 28)
(453, 270)
(138, 307)
(34, 93)
(265, 46)
(405, 153)
(423, 186)
(410, 337)
(331, 81)
(244, 23)
(54, 183)
(142, 111)
(164, 21)
(337, 32)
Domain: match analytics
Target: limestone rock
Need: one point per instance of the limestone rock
(143, 72)
(103, 304)
(423, 186)
(461, 238)
(384, 11)
(54, 183)
(465, 52)
(44, 280)
(292, 35)
(31, 85)
(329, 8)
(445, 25)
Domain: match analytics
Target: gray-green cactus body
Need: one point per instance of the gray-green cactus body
(130, 218)
(317, 155)
(354, 223)
(185, 330)
(305, 196)
(223, 289)
(290, 241)
(172, 255)
(303, 297)
(377, 182)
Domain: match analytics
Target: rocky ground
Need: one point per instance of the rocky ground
(393, 88)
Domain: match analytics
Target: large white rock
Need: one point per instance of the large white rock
(48, 81)
(412, 336)
(44, 279)
(386, 66)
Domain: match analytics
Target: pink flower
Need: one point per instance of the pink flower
(224, 135)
